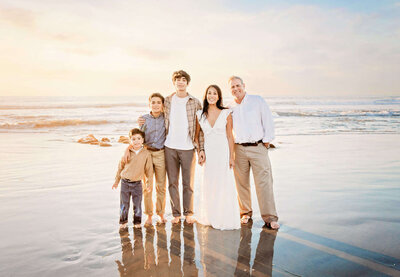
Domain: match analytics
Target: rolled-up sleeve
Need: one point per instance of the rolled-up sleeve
(121, 166)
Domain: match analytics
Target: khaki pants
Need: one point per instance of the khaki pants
(257, 158)
(159, 172)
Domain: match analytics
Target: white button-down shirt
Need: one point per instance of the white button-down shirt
(252, 120)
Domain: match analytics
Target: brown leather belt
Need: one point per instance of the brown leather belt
(153, 149)
(129, 181)
(250, 143)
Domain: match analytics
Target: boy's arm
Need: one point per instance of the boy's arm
(121, 166)
(200, 145)
(197, 133)
(201, 134)
(148, 172)
(127, 154)
(200, 153)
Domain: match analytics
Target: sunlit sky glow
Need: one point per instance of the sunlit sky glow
(280, 48)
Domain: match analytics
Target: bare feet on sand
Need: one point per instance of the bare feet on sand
(176, 220)
(273, 225)
(149, 221)
(123, 226)
(161, 220)
(245, 219)
(189, 219)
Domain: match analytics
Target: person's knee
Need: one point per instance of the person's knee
(161, 189)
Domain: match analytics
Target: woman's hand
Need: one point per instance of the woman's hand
(231, 162)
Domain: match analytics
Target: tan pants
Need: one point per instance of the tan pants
(159, 172)
(257, 158)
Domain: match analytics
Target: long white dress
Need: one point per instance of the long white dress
(218, 204)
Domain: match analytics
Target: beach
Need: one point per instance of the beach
(337, 196)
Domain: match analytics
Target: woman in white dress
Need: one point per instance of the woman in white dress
(218, 204)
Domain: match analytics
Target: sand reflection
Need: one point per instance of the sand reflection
(196, 250)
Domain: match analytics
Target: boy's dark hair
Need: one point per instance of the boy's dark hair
(156, 94)
(136, 131)
(180, 74)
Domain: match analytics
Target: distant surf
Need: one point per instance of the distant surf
(51, 123)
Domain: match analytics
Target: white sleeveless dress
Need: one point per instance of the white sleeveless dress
(218, 203)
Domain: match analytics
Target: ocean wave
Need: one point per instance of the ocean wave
(25, 117)
(340, 114)
(51, 123)
(70, 106)
(333, 102)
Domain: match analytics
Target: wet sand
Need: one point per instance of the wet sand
(337, 198)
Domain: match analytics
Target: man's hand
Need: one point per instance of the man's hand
(115, 186)
(266, 144)
(141, 121)
(127, 154)
(202, 157)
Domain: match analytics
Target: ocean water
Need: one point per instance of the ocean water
(116, 115)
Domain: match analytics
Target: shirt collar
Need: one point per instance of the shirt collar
(190, 96)
(137, 151)
(243, 101)
(160, 116)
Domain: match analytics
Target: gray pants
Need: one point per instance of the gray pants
(174, 161)
(128, 190)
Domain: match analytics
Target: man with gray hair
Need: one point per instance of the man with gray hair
(254, 129)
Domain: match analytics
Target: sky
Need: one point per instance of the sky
(280, 48)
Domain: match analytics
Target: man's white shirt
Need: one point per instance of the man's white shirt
(252, 120)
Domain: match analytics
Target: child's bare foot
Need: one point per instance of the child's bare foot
(137, 225)
(123, 226)
(245, 219)
(190, 219)
(161, 220)
(176, 220)
(149, 221)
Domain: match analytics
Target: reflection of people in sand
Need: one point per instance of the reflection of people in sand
(162, 251)
(262, 265)
(219, 250)
(189, 265)
(139, 261)
(132, 258)
(175, 250)
(149, 257)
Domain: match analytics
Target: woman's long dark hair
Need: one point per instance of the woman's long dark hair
(219, 101)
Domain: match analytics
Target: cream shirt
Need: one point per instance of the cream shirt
(252, 120)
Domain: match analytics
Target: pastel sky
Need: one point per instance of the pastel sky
(279, 48)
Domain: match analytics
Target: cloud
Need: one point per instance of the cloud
(281, 50)
(18, 17)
